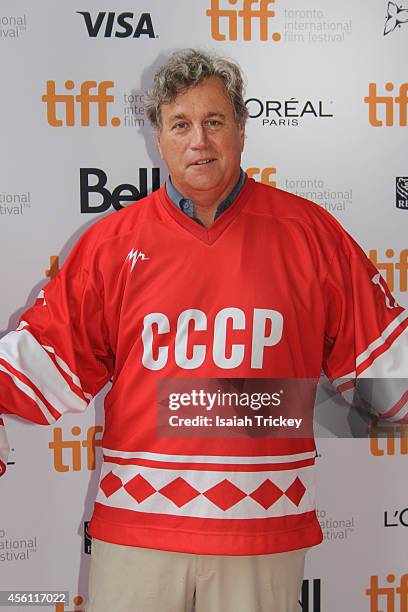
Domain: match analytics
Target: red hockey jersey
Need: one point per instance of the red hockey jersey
(273, 288)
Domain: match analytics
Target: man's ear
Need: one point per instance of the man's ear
(157, 137)
(242, 137)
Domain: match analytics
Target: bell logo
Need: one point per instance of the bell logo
(122, 23)
(379, 446)
(123, 193)
(266, 175)
(391, 267)
(70, 102)
(389, 595)
(252, 10)
(58, 445)
(310, 598)
(389, 102)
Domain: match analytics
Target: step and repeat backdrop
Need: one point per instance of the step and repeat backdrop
(327, 94)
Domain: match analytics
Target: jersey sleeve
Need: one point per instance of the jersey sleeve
(366, 339)
(59, 356)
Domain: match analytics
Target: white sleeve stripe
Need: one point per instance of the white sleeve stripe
(372, 370)
(26, 355)
(382, 339)
(31, 394)
(65, 368)
(402, 414)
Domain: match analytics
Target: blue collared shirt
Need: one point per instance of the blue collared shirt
(187, 206)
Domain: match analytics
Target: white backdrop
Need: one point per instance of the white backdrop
(315, 130)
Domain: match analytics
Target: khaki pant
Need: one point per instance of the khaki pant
(131, 579)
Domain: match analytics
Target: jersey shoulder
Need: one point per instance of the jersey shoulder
(287, 207)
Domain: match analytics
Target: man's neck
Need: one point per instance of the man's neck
(205, 203)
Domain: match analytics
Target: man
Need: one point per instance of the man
(212, 276)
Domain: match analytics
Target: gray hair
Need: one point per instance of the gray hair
(187, 68)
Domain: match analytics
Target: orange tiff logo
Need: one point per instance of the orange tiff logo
(74, 448)
(389, 440)
(77, 601)
(387, 103)
(252, 10)
(397, 264)
(267, 175)
(92, 100)
(389, 595)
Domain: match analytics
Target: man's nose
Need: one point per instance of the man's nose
(199, 137)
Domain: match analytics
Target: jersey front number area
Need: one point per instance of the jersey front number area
(225, 339)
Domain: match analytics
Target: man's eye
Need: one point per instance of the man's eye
(214, 123)
(180, 125)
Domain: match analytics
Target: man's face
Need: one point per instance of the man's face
(201, 142)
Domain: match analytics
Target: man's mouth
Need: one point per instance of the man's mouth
(203, 162)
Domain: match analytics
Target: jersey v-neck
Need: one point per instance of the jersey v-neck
(210, 234)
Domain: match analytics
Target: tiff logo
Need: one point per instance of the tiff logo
(389, 102)
(252, 10)
(54, 268)
(69, 103)
(377, 441)
(74, 448)
(76, 601)
(389, 595)
(267, 175)
(390, 268)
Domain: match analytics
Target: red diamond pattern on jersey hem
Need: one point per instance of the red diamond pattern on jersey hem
(224, 494)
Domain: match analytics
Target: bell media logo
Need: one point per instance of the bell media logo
(387, 103)
(118, 25)
(237, 22)
(73, 458)
(401, 192)
(396, 16)
(388, 596)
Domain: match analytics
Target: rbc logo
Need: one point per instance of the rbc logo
(247, 14)
(124, 26)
